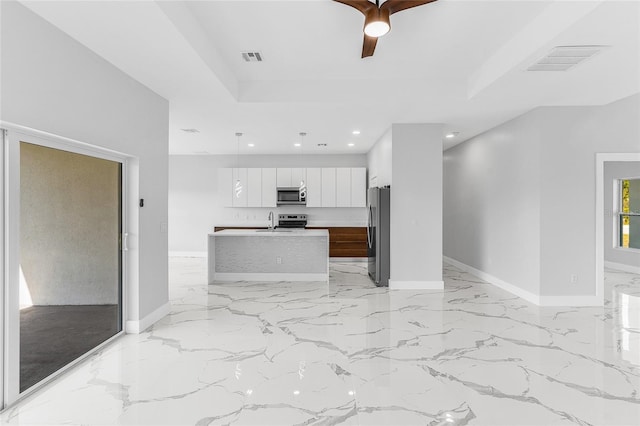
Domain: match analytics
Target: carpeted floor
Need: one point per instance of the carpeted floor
(53, 336)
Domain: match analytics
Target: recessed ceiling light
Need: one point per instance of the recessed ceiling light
(451, 135)
(250, 145)
(356, 132)
(296, 144)
(351, 144)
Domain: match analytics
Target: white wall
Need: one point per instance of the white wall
(195, 208)
(52, 83)
(572, 136)
(416, 206)
(529, 200)
(379, 161)
(613, 171)
(492, 203)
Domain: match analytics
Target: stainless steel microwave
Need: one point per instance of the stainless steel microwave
(290, 196)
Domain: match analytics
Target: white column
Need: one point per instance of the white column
(416, 207)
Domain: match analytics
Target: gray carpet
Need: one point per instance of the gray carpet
(53, 336)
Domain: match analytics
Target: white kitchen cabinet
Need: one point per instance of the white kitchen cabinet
(314, 187)
(254, 187)
(225, 193)
(359, 187)
(239, 198)
(343, 187)
(284, 177)
(328, 187)
(269, 188)
(297, 175)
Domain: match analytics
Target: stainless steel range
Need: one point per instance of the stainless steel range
(292, 221)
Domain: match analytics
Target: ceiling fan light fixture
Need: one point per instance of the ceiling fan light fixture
(377, 23)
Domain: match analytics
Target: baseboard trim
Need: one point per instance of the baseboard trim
(416, 285)
(268, 277)
(137, 327)
(187, 254)
(577, 300)
(622, 267)
(524, 294)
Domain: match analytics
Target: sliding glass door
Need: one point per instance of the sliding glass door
(64, 285)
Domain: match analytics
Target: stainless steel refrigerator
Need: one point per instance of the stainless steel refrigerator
(378, 235)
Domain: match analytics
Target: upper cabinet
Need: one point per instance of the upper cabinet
(269, 195)
(358, 187)
(314, 187)
(254, 187)
(326, 187)
(343, 187)
(239, 193)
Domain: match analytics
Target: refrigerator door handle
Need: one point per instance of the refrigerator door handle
(370, 219)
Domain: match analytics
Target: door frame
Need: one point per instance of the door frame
(10, 262)
(601, 159)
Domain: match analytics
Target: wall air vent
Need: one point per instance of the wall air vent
(563, 58)
(252, 56)
(190, 130)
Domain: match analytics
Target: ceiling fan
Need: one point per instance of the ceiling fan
(376, 18)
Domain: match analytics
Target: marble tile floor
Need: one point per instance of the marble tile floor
(349, 353)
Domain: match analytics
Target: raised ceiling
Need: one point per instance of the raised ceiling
(460, 63)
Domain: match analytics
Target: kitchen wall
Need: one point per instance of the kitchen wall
(54, 84)
(520, 198)
(195, 208)
(614, 170)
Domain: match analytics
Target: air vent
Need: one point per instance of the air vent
(563, 58)
(252, 56)
(190, 130)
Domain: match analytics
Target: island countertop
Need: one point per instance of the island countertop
(281, 232)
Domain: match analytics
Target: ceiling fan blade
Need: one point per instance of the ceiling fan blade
(368, 46)
(395, 6)
(362, 5)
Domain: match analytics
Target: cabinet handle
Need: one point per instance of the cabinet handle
(125, 241)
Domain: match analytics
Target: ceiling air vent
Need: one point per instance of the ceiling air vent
(563, 58)
(252, 56)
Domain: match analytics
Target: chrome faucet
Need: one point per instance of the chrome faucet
(272, 218)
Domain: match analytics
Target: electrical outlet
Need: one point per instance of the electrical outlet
(573, 279)
(279, 260)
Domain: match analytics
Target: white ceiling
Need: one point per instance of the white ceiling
(461, 63)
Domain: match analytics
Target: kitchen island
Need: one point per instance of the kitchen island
(268, 255)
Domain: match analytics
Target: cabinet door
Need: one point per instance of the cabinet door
(254, 187)
(343, 187)
(297, 175)
(314, 187)
(240, 197)
(329, 187)
(359, 187)
(225, 192)
(284, 177)
(269, 188)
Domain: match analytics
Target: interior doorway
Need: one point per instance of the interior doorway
(63, 256)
